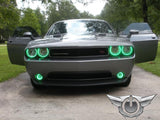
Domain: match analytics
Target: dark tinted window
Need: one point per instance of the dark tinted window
(136, 26)
(19, 31)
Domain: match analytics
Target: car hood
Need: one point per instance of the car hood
(79, 41)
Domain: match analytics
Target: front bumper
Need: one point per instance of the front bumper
(80, 67)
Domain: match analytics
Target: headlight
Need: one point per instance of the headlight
(127, 50)
(31, 52)
(43, 52)
(115, 50)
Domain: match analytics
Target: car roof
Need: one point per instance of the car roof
(81, 20)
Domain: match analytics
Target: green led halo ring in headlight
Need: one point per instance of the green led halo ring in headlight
(43, 52)
(112, 52)
(31, 52)
(39, 77)
(127, 50)
(120, 75)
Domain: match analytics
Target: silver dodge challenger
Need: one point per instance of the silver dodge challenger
(82, 52)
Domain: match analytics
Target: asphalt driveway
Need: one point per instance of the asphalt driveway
(19, 101)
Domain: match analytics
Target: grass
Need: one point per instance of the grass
(154, 66)
(8, 70)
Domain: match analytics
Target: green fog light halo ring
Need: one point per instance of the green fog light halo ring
(31, 52)
(127, 50)
(39, 77)
(115, 50)
(120, 75)
(43, 52)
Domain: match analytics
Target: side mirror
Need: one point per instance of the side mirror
(131, 32)
(27, 34)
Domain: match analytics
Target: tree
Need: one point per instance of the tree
(29, 18)
(86, 15)
(9, 17)
(42, 21)
(116, 14)
(154, 17)
(61, 10)
(85, 2)
(121, 12)
(145, 11)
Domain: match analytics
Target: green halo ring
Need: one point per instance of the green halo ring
(43, 56)
(120, 75)
(117, 53)
(39, 77)
(128, 53)
(31, 56)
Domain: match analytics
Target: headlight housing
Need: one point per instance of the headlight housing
(127, 50)
(37, 53)
(120, 51)
(31, 52)
(43, 52)
(115, 50)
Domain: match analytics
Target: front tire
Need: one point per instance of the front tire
(35, 86)
(126, 84)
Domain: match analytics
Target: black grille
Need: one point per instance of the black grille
(79, 52)
(79, 76)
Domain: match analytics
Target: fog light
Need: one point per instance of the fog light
(120, 75)
(39, 77)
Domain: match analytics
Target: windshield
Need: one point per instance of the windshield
(77, 27)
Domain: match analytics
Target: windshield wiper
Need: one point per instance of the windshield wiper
(101, 34)
(57, 35)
